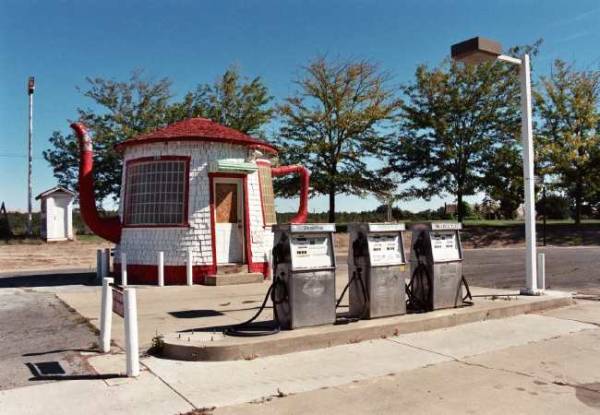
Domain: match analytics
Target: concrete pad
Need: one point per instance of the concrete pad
(167, 309)
(487, 336)
(569, 360)
(111, 364)
(173, 309)
(212, 383)
(584, 311)
(447, 388)
(233, 279)
(209, 384)
(144, 395)
(200, 347)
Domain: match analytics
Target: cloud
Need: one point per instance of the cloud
(577, 18)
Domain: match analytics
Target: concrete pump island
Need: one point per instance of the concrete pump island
(197, 207)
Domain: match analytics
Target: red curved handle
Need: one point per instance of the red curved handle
(302, 214)
(107, 228)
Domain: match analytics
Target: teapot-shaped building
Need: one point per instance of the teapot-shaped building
(194, 185)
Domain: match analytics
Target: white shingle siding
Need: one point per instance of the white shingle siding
(143, 244)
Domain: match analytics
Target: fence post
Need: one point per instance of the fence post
(161, 269)
(189, 267)
(131, 333)
(106, 315)
(123, 269)
(541, 271)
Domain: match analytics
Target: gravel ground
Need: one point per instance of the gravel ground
(36, 327)
(45, 256)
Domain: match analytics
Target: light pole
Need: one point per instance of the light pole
(478, 50)
(30, 89)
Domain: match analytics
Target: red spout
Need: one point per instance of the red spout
(107, 228)
(302, 214)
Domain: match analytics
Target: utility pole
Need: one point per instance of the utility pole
(30, 89)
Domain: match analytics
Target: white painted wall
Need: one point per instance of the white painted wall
(143, 244)
(58, 219)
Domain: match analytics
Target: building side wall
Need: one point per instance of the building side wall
(142, 244)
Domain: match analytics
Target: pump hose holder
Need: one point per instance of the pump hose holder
(356, 276)
(278, 293)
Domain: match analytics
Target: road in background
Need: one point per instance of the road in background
(570, 269)
(567, 268)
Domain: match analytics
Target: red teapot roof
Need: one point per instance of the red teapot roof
(199, 129)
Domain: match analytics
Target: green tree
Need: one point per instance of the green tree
(232, 100)
(454, 116)
(568, 132)
(333, 124)
(126, 109)
(503, 178)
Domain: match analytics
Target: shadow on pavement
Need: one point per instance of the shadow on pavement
(195, 313)
(44, 371)
(48, 280)
(57, 351)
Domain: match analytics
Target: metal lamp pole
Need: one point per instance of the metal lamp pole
(30, 89)
(477, 50)
(528, 176)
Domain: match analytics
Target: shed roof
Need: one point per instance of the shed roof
(199, 129)
(55, 189)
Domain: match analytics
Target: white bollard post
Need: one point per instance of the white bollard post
(99, 264)
(106, 315)
(541, 271)
(123, 269)
(161, 269)
(131, 332)
(102, 266)
(107, 262)
(189, 267)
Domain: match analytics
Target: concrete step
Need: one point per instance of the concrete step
(232, 268)
(231, 279)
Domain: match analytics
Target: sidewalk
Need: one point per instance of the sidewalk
(537, 363)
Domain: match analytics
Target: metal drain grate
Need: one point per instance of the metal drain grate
(48, 368)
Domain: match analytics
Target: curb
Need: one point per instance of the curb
(235, 348)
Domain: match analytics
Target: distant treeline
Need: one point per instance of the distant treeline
(18, 224)
(556, 207)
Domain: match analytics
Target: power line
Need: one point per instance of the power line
(9, 155)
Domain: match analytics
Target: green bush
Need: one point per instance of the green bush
(554, 207)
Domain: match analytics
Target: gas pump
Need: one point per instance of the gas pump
(436, 264)
(377, 270)
(304, 261)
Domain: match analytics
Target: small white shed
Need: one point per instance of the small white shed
(56, 220)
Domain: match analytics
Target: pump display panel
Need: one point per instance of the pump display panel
(311, 252)
(385, 249)
(445, 246)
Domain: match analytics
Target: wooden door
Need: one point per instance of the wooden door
(229, 232)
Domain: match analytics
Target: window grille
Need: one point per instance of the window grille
(156, 192)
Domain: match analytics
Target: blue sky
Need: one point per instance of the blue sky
(191, 42)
